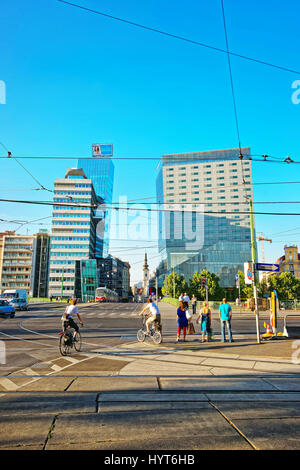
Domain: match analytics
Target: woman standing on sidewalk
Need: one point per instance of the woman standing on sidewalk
(205, 321)
(182, 321)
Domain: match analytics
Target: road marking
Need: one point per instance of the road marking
(8, 384)
(55, 367)
(91, 314)
(29, 371)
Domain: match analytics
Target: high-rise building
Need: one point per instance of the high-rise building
(203, 224)
(100, 169)
(24, 263)
(73, 230)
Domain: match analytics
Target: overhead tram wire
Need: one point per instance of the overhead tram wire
(9, 155)
(107, 207)
(181, 38)
(262, 159)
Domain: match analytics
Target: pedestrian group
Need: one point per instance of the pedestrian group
(185, 324)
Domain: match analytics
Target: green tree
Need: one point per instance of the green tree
(286, 286)
(215, 292)
(181, 285)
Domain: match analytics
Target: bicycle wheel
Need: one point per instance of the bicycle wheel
(77, 342)
(141, 335)
(157, 338)
(64, 348)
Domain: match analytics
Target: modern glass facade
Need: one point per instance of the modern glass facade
(101, 171)
(204, 224)
(86, 279)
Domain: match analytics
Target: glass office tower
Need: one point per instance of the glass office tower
(100, 169)
(204, 195)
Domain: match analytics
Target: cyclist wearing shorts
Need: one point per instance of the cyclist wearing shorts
(67, 318)
(154, 313)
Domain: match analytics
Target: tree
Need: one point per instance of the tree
(286, 286)
(197, 287)
(181, 285)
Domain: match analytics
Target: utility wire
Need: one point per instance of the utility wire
(197, 43)
(9, 155)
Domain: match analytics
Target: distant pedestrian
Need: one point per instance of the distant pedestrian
(180, 297)
(194, 304)
(205, 322)
(225, 313)
(182, 321)
(186, 300)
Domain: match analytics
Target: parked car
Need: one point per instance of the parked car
(19, 304)
(6, 308)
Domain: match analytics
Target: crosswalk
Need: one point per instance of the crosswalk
(112, 314)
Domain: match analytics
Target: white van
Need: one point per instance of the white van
(14, 294)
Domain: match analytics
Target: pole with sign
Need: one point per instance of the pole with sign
(253, 252)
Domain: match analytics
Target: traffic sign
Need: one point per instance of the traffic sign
(248, 273)
(267, 267)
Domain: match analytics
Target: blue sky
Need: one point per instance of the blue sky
(74, 78)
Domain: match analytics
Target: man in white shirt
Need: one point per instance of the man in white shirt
(154, 312)
(67, 318)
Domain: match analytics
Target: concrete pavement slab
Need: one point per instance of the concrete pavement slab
(48, 384)
(118, 407)
(211, 383)
(292, 384)
(238, 364)
(270, 434)
(153, 425)
(101, 384)
(178, 358)
(158, 396)
(160, 444)
(31, 403)
(160, 368)
(265, 409)
(254, 397)
(276, 367)
(25, 431)
(229, 372)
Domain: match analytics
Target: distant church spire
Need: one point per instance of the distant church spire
(146, 266)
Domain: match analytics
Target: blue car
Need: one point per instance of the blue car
(6, 309)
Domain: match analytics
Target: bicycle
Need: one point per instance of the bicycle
(154, 332)
(69, 340)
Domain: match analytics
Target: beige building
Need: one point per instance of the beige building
(24, 262)
(290, 262)
(16, 262)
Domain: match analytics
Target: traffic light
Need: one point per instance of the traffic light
(203, 281)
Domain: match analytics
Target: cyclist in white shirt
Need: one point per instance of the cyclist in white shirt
(154, 313)
(67, 318)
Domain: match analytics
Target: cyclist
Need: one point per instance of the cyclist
(153, 312)
(67, 318)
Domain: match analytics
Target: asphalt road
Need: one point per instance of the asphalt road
(33, 336)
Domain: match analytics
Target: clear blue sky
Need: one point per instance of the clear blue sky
(74, 78)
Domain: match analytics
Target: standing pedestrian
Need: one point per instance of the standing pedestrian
(225, 314)
(186, 300)
(205, 322)
(194, 304)
(182, 321)
(180, 297)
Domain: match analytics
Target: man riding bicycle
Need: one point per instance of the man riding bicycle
(67, 318)
(153, 314)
